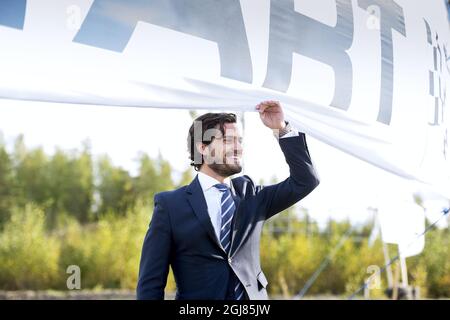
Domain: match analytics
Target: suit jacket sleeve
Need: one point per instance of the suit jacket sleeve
(155, 257)
(302, 180)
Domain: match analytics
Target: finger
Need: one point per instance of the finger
(274, 103)
(265, 102)
(263, 108)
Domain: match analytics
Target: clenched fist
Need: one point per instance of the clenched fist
(271, 114)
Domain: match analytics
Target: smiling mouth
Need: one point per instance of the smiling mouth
(234, 159)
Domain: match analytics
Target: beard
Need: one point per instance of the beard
(225, 170)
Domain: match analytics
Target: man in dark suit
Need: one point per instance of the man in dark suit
(209, 231)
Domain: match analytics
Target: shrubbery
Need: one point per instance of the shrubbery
(108, 253)
(67, 209)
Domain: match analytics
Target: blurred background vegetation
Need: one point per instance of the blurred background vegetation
(70, 208)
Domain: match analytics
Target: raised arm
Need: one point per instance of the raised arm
(303, 178)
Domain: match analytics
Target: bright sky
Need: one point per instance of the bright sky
(348, 185)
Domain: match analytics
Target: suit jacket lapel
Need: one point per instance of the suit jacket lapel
(197, 201)
(237, 190)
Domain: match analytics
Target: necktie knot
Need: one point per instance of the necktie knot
(221, 187)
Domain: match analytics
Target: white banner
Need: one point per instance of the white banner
(369, 77)
(403, 223)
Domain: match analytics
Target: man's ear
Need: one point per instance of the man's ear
(201, 148)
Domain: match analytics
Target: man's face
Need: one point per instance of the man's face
(223, 155)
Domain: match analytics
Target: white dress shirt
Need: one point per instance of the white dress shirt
(213, 199)
(292, 133)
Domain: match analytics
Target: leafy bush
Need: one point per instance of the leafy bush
(28, 256)
(108, 253)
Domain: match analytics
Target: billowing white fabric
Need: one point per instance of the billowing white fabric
(368, 77)
(403, 223)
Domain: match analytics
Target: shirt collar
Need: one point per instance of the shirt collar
(207, 182)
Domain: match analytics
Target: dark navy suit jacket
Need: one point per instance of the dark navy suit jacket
(181, 233)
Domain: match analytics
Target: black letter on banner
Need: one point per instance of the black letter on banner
(391, 17)
(291, 31)
(110, 24)
(12, 13)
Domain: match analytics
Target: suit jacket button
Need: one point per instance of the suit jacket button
(230, 260)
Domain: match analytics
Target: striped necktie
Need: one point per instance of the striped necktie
(228, 208)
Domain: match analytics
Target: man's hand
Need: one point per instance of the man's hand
(271, 114)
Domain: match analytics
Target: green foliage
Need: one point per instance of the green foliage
(59, 184)
(154, 176)
(432, 267)
(31, 172)
(29, 257)
(107, 252)
(67, 209)
(115, 188)
(70, 182)
(74, 211)
(289, 259)
(6, 185)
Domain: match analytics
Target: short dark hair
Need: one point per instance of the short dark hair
(202, 124)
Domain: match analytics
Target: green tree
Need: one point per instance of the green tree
(32, 181)
(6, 184)
(186, 177)
(71, 184)
(154, 176)
(116, 189)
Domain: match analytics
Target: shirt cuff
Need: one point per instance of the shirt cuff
(292, 133)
